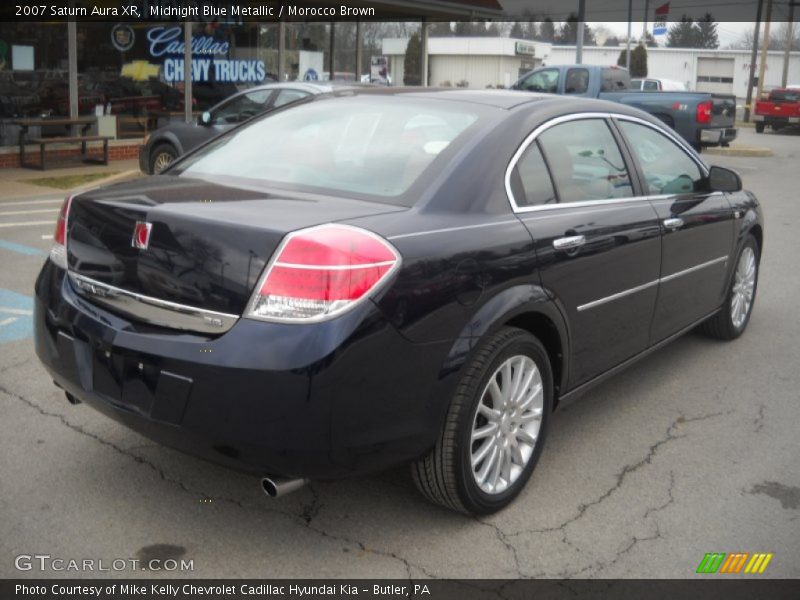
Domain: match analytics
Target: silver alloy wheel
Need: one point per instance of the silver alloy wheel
(162, 161)
(744, 284)
(506, 424)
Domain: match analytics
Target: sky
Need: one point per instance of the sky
(728, 32)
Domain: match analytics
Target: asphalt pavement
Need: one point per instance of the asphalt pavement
(693, 450)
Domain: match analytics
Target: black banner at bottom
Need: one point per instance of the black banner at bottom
(374, 589)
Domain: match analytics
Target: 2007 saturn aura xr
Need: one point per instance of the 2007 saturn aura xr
(393, 276)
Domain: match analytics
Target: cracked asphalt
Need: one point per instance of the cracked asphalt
(693, 450)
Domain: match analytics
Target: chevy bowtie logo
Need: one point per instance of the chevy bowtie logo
(141, 235)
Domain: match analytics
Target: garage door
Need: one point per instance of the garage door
(715, 75)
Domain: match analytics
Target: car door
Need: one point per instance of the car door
(697, 228)
(541, 80)
(597, 241)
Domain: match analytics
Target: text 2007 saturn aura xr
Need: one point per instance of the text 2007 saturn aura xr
(393, 276)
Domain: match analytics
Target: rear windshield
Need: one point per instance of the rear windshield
(374, 146)
(785, 96)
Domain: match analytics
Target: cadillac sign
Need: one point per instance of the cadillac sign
(122, 37)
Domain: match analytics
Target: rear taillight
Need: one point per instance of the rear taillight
(58, 253)
(321, 272)
(705, 110)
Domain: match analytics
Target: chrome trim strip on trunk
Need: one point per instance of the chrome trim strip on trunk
(650, 284)
(152, 310)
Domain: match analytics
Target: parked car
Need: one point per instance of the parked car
(394, 276)
(780, 109)
(165, 144)
(653, 84)
(701, 118)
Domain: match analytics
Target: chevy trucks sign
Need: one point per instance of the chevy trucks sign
(524, 48)
(167, 43)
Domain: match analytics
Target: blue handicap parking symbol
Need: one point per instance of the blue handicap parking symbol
(16, 316)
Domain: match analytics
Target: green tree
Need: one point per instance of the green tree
(413, 62)
(568, 33)
(707, 32)
(517, 31)
(638, 61)
(548, 30)
(683, 34)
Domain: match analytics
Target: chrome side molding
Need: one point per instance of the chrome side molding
(152, 310)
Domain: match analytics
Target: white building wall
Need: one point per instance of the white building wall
(478, 71)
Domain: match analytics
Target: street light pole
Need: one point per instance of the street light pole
(762, 69)
(753, 57)
(628, 41)
(579, 45)
(789, 42)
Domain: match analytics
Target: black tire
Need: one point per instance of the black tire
(445, 475)
(165, 151)
(721, 325)
(759, 127)
(698, 148)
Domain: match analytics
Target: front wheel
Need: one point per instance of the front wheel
(495, 427)
(161, 157)
(730, 322)
(759, 127)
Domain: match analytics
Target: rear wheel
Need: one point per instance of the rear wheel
(495, 427)
(759, 127)
(161, 157)
(730, 322)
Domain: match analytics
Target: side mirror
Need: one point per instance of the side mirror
(721, 179)
(205, 119)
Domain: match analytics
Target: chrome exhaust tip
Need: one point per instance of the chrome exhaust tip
(274, 487)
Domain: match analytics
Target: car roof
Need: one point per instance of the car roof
(504, 99)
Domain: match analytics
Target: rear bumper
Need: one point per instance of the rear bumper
(771, 120)
(717, 136)
(340, 398)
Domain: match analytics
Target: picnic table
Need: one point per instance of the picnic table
(84, 123)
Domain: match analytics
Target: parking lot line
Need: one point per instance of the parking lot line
(27, 212)
(27, 223)
(21, 248)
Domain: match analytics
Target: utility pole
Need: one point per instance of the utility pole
(644, 26)
(753, 57)
(581, 26)
(762, 68)
(789, 42)
(628, 42)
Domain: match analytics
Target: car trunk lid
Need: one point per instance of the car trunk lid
(208, 242)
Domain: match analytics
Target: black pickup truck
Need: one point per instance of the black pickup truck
(701, 118)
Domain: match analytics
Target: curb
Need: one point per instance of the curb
(753, 151)
(129, 174)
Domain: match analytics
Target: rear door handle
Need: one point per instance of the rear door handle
(569, 243)
(675, 223)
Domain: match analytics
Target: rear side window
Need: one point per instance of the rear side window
(585, 161)
(534, 178)
(784, 96)
(615, 80)
(287, 96)
(651, 85)
(666, 166)
(576, 81)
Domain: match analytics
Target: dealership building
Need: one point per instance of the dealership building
(130, 77)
